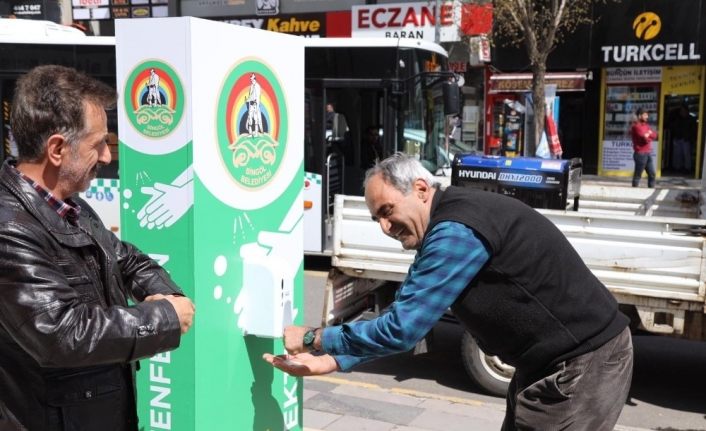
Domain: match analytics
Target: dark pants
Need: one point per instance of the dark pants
(643, 162)
(585, 393)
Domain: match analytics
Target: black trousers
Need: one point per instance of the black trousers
(585, 393)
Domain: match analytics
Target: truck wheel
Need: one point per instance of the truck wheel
(488, 372)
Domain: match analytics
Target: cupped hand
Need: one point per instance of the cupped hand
(303, 364)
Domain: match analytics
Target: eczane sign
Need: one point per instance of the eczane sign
(407, 21)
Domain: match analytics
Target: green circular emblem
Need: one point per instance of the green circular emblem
(252, 124)
(154, 99)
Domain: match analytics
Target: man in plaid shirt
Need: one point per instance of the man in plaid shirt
(511, 278)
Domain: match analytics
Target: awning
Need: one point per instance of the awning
(522, 82)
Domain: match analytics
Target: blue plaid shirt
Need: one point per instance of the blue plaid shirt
(450, 257)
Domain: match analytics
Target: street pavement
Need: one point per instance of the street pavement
(338, 404)
(667, 391)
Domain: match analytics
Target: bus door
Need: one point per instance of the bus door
(362, 131)
(343, 117)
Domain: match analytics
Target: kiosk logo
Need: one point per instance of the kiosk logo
(252, 124)
(647, 25)
(154, 100)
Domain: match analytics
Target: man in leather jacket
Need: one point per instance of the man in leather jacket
(69, 339)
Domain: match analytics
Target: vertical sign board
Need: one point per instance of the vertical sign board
(211, 173)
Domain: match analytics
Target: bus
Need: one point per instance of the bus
(25, 44)
(397, 93)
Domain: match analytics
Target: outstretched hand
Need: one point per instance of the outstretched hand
(303, 364)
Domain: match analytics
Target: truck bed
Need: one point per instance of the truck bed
(653, 264)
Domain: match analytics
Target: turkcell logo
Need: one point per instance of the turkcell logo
(520, 178)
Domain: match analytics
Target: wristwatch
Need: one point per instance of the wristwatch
(309, 338)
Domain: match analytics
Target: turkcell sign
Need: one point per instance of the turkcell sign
(650, 53)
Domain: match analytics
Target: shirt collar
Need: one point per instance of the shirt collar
(67, 208)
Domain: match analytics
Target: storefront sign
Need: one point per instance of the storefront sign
(479, 47)
(112, 9)
(670, 52)
(682, 80)
(648, 32)
(89, 3)
(262, 8)
(406, 21)
(27, 10)
(310, 25)
(633, 74)
(35, 9)
(522, 82)
(476, 19)
(616, 157)
(267, 7)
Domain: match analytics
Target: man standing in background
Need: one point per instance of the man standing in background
(642, 137)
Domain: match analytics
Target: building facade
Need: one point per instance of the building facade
(648, 54)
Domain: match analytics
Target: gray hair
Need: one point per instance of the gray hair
(401, 170)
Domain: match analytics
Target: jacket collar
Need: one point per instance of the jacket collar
(34, 204)
(434, 203)
(435, 200)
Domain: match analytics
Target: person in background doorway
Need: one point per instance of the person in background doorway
(337, 136)
(511, 278)
(455, 135)
(642, 137)
(78, 306)
(330, 114)
(683, 130)
(335, 122)
(371, 150)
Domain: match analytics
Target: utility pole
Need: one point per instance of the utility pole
(437, 18)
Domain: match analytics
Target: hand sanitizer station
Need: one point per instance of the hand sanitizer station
(211, 169)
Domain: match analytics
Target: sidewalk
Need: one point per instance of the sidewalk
(335, 404)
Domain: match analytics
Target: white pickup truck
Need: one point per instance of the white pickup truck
(646, 245)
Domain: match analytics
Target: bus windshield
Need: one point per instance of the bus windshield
(366, 100)
(423, 134)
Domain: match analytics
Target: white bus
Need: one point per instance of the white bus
(395, 89)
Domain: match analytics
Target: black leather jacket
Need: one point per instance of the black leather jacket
(67, 334)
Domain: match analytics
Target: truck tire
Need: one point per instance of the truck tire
(488, 372)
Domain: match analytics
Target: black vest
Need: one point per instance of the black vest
(535, 303)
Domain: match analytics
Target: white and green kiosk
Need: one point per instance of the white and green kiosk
(211, 171)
